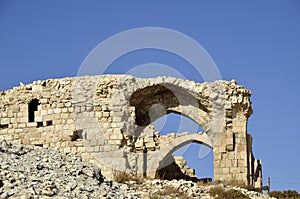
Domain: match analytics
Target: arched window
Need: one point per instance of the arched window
(32, 107)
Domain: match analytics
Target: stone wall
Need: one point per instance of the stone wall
(108, 120)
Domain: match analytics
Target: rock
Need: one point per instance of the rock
(41, 173)
(48, 192)
(4, 195)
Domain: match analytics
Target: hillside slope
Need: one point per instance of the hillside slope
(36, 172)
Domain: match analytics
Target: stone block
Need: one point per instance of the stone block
(44, 101)
(65, 115)
(57, 110)
(65, 110)
(229, 147)
(114, 142)
(31, 124)
(225, 170)
(139, 143)
(37, 88)
(39, 119)
(4, 121)
(105, 114)
(68, 104)
(150, 145)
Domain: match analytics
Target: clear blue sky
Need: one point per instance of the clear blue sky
(255, 42)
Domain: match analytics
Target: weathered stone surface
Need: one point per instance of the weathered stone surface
(112, 116)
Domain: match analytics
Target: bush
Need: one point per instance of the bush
(235, 183)
(218, 192)
(275, 194)
(154, 197)
(291, 194)
(285, 194)
(121, 176)
(169, 191)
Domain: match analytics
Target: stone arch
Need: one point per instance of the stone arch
(183, 123)
(161, 159)
(195, 162)
(173, 99)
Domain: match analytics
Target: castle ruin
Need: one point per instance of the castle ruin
(108, 120)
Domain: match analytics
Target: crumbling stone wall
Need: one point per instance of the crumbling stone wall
(178, 169)
(108, 120)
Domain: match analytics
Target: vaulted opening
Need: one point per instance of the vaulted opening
(32, 107)
(192, 161)
(174, 110)
(169, 97)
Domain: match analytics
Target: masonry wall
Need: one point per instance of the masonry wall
(108, 120)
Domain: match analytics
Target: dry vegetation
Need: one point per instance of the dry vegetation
(216, 192)
(285, 194)
(123, 176)
(169, 191)
(221, 193)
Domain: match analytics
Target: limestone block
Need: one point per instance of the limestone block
(65, 115)
(68, 104)
(44, 101)
(10, 114)
(57, 110)
(13, 120)
(39, 119)
(65, 110)
(66, 138)
(234, 162)
(21, 125)
(139, 143)
(106, 114)
(226, 170)
(3, 131)
(117, 119)
(115, 142)
(44, 112)
(150, 145)
(217, 163)
(231, 156)
(229, 147)
(4, 121)
(218, 170)
(31, 124)
(67, 150)
(15, 109)
(37, 88)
